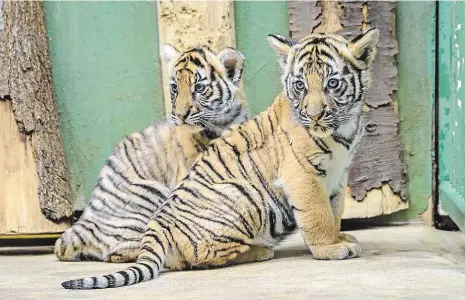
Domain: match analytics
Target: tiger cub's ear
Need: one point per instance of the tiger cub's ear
(233, 61)
(169, 53)
(363, 47)
(281, 46)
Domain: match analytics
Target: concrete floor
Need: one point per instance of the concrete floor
(402, 262)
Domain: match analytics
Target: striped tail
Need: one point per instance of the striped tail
(147, 267)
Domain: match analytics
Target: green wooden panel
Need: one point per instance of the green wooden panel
(453, 203)
(106, 76)
(451, 108)
(254, 21)
(416, 33)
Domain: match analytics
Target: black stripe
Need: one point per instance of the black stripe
(226, 222)
(134, 167)
(92, 232)
(231, 208)
(188, 236)
(248, 233)
(150, 268)
(105, 190)
(125, 276)
(156, 238)
(132, 228)
(245, 137)
(258, 127)
(131, 193)
(151, 251)
(110, 279)
(130, 182)
(76, 232)
(321, 144)
(115, 206)
(286, 134)
(218, 154)
(341, 140)
(271, 123)
(247, 195)
(208, 164)
(108, 212)
(202, 176)
(317, 167)
(218, 238)
(242, 169)
(344, 86)
(139, 273)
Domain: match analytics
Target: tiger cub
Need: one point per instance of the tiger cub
(146, 165)
(283, 170)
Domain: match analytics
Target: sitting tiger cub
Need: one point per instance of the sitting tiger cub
(146, 166)
(285, 169)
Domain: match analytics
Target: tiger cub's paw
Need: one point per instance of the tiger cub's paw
(122, 255)
(345, 237)
(341, 250)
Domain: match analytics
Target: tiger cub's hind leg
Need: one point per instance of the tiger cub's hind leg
(238, 254)
(123, 252)
(254, 254)
(71, 247)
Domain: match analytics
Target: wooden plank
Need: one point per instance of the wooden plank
(254, 20)
(186, 24)
(451, 137)
(454, 203)
(20, 211)
(416, 99)
(26, 83)
(377, 176)
(107, 85)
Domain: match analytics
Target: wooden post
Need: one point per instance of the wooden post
(185, 24)
(34, 188)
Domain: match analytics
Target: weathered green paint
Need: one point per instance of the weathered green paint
(254, 21)
(451, 109)
(454, 203)
(106, 77)
(415, 23)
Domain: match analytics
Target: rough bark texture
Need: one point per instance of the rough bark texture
(186, 24)
(303, 18)
(26, 81)
(378, 159)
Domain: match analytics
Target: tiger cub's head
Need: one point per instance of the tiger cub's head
(326, 77)
(204, 87)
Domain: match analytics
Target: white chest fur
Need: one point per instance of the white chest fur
(337, 163)
(336, 166)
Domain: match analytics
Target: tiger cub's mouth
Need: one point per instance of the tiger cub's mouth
(319, 130)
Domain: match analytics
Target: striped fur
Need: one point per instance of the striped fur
(146, 165)
(281, 171)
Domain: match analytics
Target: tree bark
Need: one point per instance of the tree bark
(26, 85)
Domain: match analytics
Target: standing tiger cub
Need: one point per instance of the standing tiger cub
(283, 170)
(146, 166)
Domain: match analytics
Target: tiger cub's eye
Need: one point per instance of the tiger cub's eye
(199, 88)
(174, 87)
(299, 85)
(333, 83)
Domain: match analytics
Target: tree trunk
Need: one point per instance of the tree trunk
(32, 164)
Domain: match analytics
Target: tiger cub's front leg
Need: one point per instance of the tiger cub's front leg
(337, 205)
(315, 217)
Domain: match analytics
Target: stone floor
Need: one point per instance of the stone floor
(401, 262)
